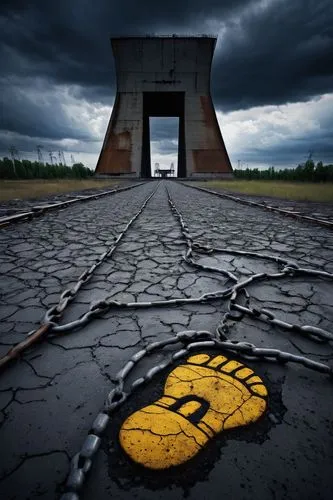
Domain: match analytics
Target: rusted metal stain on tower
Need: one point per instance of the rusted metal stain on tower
(117, 151)
(213, 157)
(163, 76)
(117, 147)
(213, 137)
(209, 161)
(119, 157)
(119, 141)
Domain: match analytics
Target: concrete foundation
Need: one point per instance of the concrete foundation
(163, 76)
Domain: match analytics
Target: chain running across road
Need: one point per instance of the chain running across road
(51, 327)
(54, 314)
(191, 340)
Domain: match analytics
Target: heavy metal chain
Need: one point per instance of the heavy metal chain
(54, 314)
(288, 269)
(192, 340)
(50, 326)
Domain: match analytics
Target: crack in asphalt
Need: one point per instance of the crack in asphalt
(38, 260)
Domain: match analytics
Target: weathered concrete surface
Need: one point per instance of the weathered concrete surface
(163, 76)
(318, 210)
(50, 398)
(18, 205)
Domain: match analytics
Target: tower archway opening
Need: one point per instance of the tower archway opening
(164, 145)
(163, 105)
(163, 76)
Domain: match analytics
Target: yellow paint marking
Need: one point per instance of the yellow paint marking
(244, 372)
(218, 360)
(231, 366)
(199, 359)
(159, 437)
(206, 429)
(259, 389)
(166, 401)
(189, 408)
(253, 379)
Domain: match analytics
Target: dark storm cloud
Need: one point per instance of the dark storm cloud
(166, 147)
(277, 54)
(269, 51)
(21, 107)
(163, 128)
(68, 41)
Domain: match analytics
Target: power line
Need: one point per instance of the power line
(40, 155)
(13, 152)
(52, 157)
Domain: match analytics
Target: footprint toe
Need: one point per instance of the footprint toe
(202, 397)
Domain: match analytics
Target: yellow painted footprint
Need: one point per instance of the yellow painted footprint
(201, 398)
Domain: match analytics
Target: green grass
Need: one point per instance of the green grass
(301, 191)
(38, 188)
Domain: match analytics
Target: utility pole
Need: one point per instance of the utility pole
(72, 160)
(51, 157)
(63, 158)
(60, 157)
(13, 152)
(40, 155)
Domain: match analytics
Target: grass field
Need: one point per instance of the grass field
(278, 189)
(38, 188)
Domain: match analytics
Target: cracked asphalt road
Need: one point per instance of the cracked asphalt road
(50, 397)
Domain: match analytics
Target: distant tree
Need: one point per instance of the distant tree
(26, 169)
(6, 169)
(307, 172)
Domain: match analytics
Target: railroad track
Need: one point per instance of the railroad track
(235, 295)
(265, 206)
(289, 268)
(38, 210)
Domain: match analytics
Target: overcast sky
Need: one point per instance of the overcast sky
(272, 75)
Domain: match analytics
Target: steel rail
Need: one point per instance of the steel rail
(39, 210)
(281, 211)
(54, 314)
(191, 340)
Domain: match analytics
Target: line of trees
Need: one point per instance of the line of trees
(307, 172)
(25, 169)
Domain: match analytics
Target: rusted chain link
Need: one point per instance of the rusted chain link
(194, 340)
(54, 314)
(289, 268)
(191, 340)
